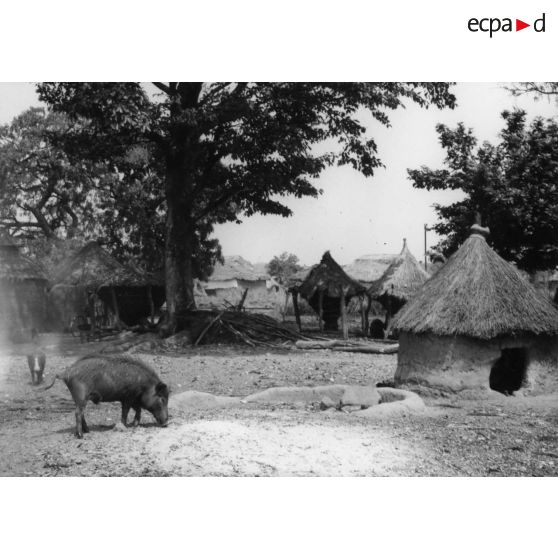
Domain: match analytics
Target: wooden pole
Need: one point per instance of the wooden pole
(296, 310)
(151, 303)
(321, 309)
(363, 315)
(344, 321)
(367, 313)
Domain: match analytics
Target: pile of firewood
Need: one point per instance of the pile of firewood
(251, 329)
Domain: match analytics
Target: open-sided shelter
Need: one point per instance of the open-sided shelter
(23, 288)
(328, 289)
(478, 323)
(128, 294)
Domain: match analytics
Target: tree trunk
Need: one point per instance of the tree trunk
(179, 243)
(180, 225)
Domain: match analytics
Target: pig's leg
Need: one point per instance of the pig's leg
(125, 411)
(84, 426)
(79, 420)
(137, 416)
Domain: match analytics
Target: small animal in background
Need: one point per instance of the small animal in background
(36, 359)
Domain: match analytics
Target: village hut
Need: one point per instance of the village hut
(328, 289)
(478, 323)
(237, 281)
(399, 282)
(369, 268)
(94, 284)
(23, 288)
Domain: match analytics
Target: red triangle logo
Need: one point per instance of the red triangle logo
(519, 25)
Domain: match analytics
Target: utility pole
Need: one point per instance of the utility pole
(426, 229)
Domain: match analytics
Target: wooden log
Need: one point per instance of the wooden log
(242, 300)
(296, 310)
(387, 350)
(316, 344)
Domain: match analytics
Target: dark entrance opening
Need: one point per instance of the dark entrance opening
(508, 372)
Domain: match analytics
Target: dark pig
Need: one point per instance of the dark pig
(116, 378)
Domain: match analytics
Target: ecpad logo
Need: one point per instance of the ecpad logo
(492, 25)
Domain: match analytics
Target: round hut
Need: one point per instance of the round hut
(93, 283)
(399, 282)
(328, 289)
(478, 324)
(23, 288)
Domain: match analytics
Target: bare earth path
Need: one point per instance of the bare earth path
(499, 436)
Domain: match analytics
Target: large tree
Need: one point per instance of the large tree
(41, 191)
(513, 185)
(231, 149)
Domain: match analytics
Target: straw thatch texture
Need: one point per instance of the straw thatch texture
(93, 267)
(369, 268)
(478, 294)
(14, 266)
(329, 277)
(236, 267)
(401, 280)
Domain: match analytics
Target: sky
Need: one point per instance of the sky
(356, 215)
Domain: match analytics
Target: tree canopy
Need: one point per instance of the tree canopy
(283, 267)
(224, 150)
(513, 185)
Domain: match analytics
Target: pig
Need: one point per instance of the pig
(36, 359)
(115, 378)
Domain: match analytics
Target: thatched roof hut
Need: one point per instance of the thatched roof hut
(369, 268)
(328, 289)
(130, 293)
(399, 282)
(237, 268)
(22, 292)
(477, 323)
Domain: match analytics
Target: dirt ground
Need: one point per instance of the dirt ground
(496, 436)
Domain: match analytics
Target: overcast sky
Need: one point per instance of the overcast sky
(357, 215)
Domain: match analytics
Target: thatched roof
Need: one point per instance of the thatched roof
(369, 268)
(14, 266)
(236, 267)
(93, 267)
(478, 294)
(328, 276)
(401, 279)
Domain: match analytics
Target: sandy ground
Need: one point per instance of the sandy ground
(495, 436)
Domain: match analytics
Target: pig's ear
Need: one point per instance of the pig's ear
(162, 389)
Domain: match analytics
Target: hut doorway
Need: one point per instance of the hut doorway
(509, 371)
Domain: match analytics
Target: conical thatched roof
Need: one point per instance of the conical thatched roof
(328, 276)
(478, 294)
(93, 267)
(14, 266)
(402, 279)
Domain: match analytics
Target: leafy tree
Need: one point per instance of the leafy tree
(41, 191)
(283, 266)
(540, 90)
(513, 185)
(230, 149)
